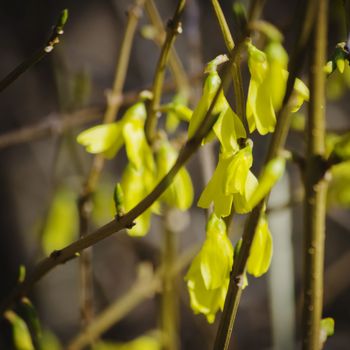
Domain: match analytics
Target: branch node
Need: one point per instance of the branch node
(56, 254)
(174, 26)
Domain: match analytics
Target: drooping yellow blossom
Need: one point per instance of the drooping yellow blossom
(261, 250)
(241, 201)
(109, 138)
(268, 85)
(230, 177)
(208, 276)
(210, 88)
(229, 129)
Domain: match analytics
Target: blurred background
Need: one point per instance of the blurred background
(71, 83)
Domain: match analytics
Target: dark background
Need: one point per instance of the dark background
(29, 172)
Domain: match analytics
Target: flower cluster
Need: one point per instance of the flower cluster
(143, 170)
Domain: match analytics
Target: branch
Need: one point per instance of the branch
(315, 187)
(277, 142)
(175, 64)
(54, 124)
(57, 124)
(173, 29)
(169, 314)
(236, 70)
(39, 55)
(84, 202)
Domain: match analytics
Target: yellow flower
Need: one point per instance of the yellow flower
(211, 85)
(231, 177)
(229, 129)
(268, 85)
(261, 250)
(215, 190)
(208, 275)
(136, 185)
(109, 138)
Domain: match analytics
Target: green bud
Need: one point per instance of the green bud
(119, 199)
(21, 274)
(326, 329)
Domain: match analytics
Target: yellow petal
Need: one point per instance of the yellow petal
(261, 251)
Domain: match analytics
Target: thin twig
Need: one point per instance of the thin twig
(169, 297)
(277, 142)
(236, 70)
(315, 187)
(173, 29)
(53, 125)
(39, 55)
(175, 63)
(58, 123)
(84, 202)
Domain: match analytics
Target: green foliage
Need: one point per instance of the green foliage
(62, 221)
(208, 275)
(20, 333)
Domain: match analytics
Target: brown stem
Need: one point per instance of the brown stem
(236, 70)
(175, 63)
(57, 123)
(39, 55)
(169, 298)
(173, 29)
(315, 187)
(85, 201)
